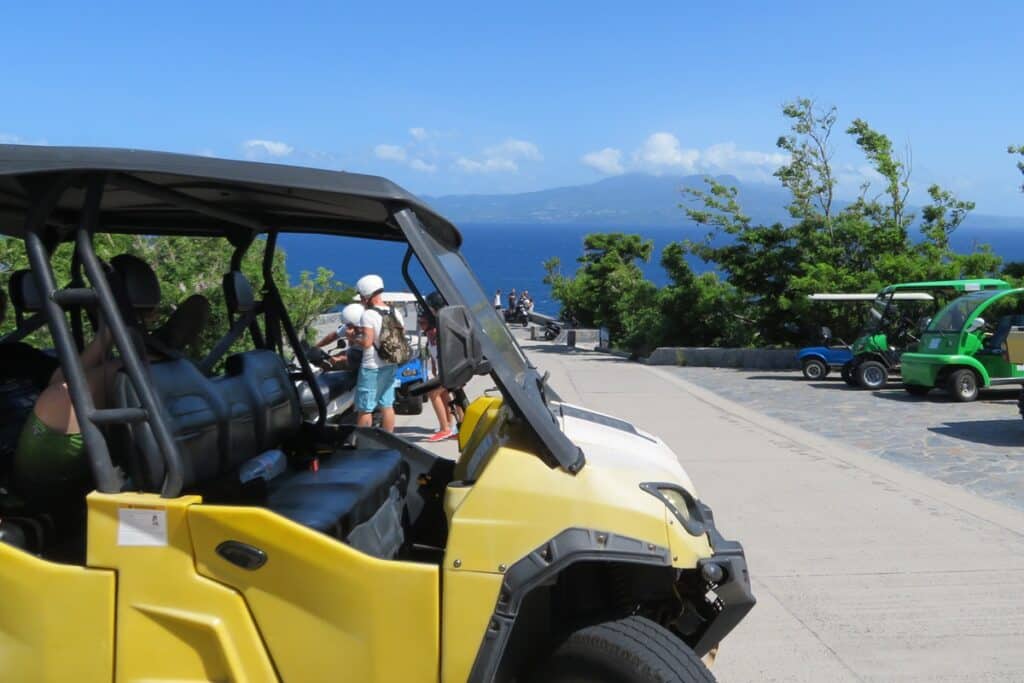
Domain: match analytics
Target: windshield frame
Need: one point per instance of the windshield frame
(518, 380)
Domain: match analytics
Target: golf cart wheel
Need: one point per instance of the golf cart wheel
(871, 374)
(916, 389)
(962, 385)
(847, 374)
(630, 649)
(814, 369)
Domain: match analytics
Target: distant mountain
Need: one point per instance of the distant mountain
(633, 200)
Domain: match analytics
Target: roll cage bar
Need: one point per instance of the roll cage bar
(68, 339)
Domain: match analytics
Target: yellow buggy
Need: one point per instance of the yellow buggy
(561, 545)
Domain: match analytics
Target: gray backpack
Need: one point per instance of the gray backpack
(392, 346)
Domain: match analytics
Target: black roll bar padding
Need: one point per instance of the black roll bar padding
(272, 302)
(174, 478)
(106, 477)
(271, 317)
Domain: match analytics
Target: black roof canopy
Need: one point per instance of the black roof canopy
(162, 193)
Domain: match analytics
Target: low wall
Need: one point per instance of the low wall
(709, 357)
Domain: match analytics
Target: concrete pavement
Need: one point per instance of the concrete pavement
(864, 571)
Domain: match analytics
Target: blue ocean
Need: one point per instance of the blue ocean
(507, 256)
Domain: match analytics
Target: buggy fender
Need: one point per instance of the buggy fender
(941, 365)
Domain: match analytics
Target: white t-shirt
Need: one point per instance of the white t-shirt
(372, 319)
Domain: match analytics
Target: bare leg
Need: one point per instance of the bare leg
(364, 420)
(387, 419)
(440, 410)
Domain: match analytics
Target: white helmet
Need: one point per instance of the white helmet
(368, 285)
(352, 314)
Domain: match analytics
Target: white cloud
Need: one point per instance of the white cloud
(662, 151)
(420, 165)
(607, 161)
(514, 149)
(501, 158)
(487, 165)
(9, 139)
(390, 153)
(255, 149)
(420, 134)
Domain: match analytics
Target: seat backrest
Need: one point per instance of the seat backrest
(25, 294)
(217, 423)
(238, 293)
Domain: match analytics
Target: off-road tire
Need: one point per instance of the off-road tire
(847, 374)
(916, 389)
(814, 368)
(627, 650)
(962, 385)
(870, 374)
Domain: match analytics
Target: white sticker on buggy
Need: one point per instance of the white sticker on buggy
(142, 526)
(934, 343)
(1020, 368)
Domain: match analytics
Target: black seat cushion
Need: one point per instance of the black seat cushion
(346, 491)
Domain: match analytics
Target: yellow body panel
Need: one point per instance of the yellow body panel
(172, 623)
(469, 599)
(326, 611)
(517, 503)
(56, 621)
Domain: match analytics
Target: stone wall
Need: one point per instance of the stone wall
(749, 359)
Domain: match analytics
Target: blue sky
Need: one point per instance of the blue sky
(502, 97)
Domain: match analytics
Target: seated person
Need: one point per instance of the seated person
(49, 460)
(352, 357)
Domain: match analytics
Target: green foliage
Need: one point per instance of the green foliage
(191, 265)
(770, 269)
(1018, 149)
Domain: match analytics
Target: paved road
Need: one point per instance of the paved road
(864, 570)
(979, 446)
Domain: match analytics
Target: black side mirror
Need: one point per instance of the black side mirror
(459, 356)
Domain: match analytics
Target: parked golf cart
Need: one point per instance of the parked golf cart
(962, 349)
(569, 545)
(1014, 350)
(897, 318)
(818, 361)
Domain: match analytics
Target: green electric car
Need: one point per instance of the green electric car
(962, 348)
(898, 315)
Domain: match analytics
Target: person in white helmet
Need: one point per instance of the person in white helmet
(349, 329)
(375, 387)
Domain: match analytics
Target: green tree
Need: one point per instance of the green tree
(1018, 149)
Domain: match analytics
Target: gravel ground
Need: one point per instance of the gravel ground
(979, 446)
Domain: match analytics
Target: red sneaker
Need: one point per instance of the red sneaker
(439, 436)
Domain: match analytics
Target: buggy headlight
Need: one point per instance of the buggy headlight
(682, 505)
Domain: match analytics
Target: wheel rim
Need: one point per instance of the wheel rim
(966, 386)
(873, 376)
(814, 370)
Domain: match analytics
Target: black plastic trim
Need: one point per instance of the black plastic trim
(568, 547)
(735, 598)
(694, 522)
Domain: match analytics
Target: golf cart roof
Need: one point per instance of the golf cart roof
(970, 285)
(205, 196)
(870, 296)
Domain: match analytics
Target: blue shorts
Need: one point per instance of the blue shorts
(375, 388)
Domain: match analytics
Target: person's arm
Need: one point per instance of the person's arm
(366, 340)
(328, 338)
(93, 355)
